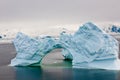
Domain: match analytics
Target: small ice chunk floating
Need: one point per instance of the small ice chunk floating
(89, 47)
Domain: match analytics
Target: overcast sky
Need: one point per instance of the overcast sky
(60, 11)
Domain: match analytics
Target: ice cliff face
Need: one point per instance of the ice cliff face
(89, 47)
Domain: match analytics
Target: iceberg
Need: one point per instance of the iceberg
(30, 51)
(90, 47)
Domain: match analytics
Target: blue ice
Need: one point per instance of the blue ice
(89, 47)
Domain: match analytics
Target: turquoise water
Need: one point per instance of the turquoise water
(59, 70)
(56, 73)
(37, 73)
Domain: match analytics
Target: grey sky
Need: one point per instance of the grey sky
(61, 11)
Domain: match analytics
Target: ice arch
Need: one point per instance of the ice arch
(89, 47)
